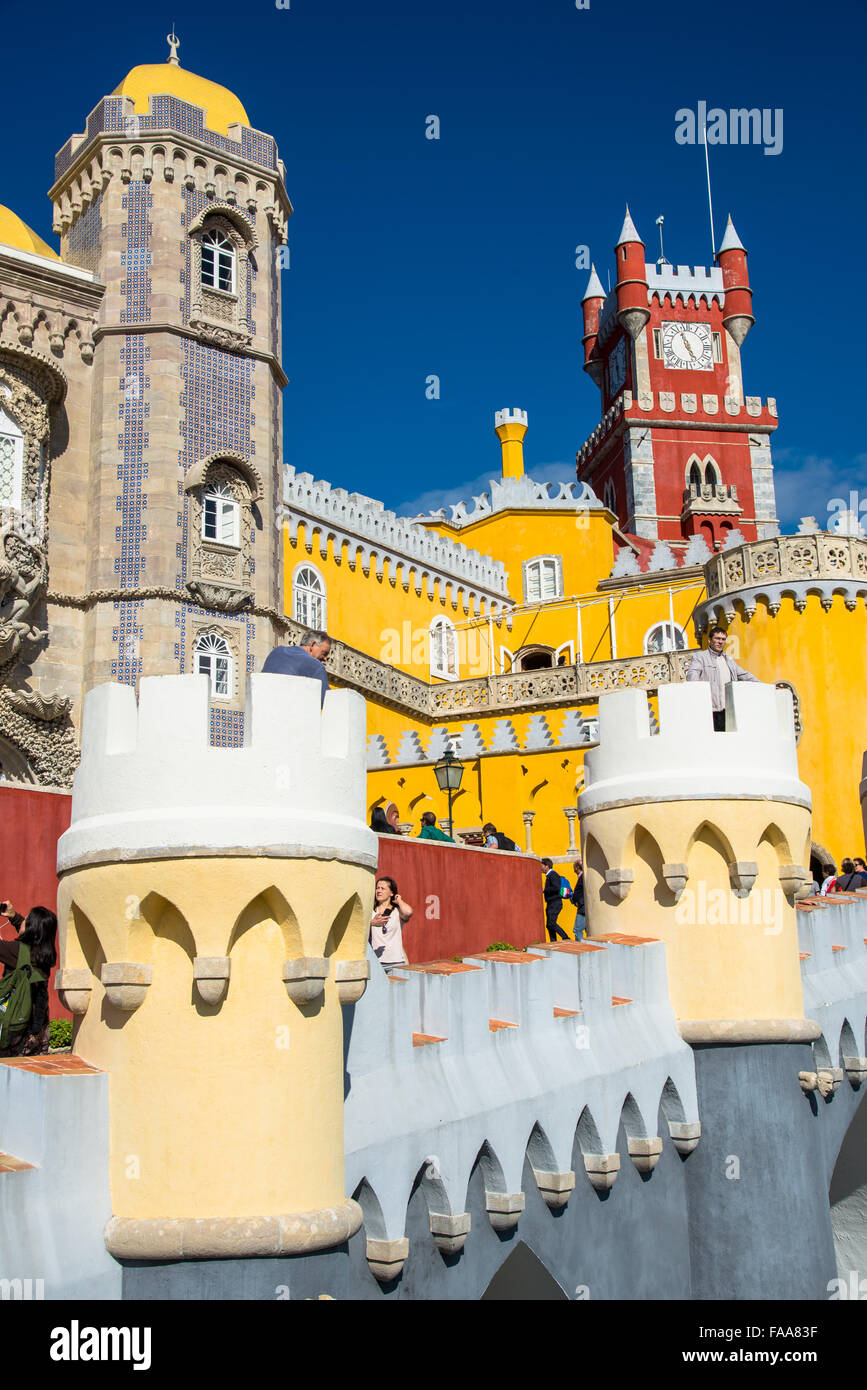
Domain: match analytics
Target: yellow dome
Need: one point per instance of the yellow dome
(14, 232)
(222, 107)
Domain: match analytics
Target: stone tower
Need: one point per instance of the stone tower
(679, 451)
(214, 907)
(178, 207)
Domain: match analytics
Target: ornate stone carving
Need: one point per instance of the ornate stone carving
(217, 596)
(38, 705)
(220, 317)
(779, 567)
(23, 582)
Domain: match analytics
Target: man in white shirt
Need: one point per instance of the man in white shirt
(714, 666)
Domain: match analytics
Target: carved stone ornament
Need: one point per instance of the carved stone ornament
(225, 338)
(39, 705)
(218, 316)
(23, 582)
(215, 596)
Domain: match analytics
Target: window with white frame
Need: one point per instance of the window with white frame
(443, 649)
(11, 463)
(543, 579)
(214, 660)
(309, 598)
(221, 515)
(664, 637)
(218, 261)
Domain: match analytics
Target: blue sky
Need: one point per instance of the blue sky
(456, 257)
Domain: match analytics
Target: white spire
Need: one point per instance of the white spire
(628, 232)
(594, 288)
(731, 241)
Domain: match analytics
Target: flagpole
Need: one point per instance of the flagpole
(709, 200)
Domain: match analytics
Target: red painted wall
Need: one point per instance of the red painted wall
(474, 896)
(31, 823)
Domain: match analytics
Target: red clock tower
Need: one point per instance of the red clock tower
(679, 451)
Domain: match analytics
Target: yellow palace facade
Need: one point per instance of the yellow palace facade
(493, 632)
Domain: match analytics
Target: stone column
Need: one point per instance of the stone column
(528, 817)
(571, 814)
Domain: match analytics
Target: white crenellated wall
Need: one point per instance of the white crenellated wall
(688, 758)
(376, 534)
(150, 786)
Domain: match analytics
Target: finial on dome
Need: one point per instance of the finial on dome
(174, 44)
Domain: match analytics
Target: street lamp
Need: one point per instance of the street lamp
(449, 772)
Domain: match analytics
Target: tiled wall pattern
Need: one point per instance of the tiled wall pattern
(136, 259)
(82, 245)
(169, 113)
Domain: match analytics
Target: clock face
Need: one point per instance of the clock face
(687, 346)
(617, 367)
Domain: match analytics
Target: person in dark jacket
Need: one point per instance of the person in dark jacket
(307, 659)
(849, 878)
(578, 900)
(40, 933)
(553, 902)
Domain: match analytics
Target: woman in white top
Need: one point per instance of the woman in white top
(386, 922)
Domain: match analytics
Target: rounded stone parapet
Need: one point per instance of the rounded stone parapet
(150, 785)
(688, 759)
(229, 1238)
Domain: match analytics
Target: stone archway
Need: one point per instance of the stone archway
(821, 862)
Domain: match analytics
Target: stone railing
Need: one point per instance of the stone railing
(524, 690)
(818, 563)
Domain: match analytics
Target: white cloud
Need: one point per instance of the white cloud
(807, 484)
(434, 498)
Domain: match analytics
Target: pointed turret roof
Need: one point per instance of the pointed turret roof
(628, 232)
(594, 288)
(731, 241)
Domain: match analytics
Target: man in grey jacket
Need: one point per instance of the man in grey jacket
(714, 666)
(307, 659)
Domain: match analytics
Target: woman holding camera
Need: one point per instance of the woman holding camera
(390, 912)
(40, 932)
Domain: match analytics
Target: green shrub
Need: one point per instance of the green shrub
(502, 946)
(61, 1032)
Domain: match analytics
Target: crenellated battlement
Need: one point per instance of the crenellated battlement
(756, 757)
(373, 533)
(149, 785)
(556, 1047)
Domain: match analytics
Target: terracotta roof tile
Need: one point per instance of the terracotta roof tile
(620, 939)
(496, 1024)
(566, 1013)
(8, 1164)
(569, 948)
(838, 948)
(443, 967)
(66, 1064)
(804, 955)
(517, 957)
(619, 999)
(422, 1039)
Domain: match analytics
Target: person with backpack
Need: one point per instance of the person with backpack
(849, 878)
(553, 901)
(27, 962)
(495, 839)
(578, 901)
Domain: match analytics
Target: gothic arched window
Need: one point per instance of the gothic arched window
(214, 660)
(309, 599)
(218, 261)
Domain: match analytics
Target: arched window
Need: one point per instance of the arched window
(694, 475)
(221, 515)
(443, 650)
(214, 660)
(664, 637)
(11, 463)
(543, 579)
(609, 497)
(309, 598)
(218, 261)
(710, 475)
(534, 659)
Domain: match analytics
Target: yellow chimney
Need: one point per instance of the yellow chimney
(510, 427)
